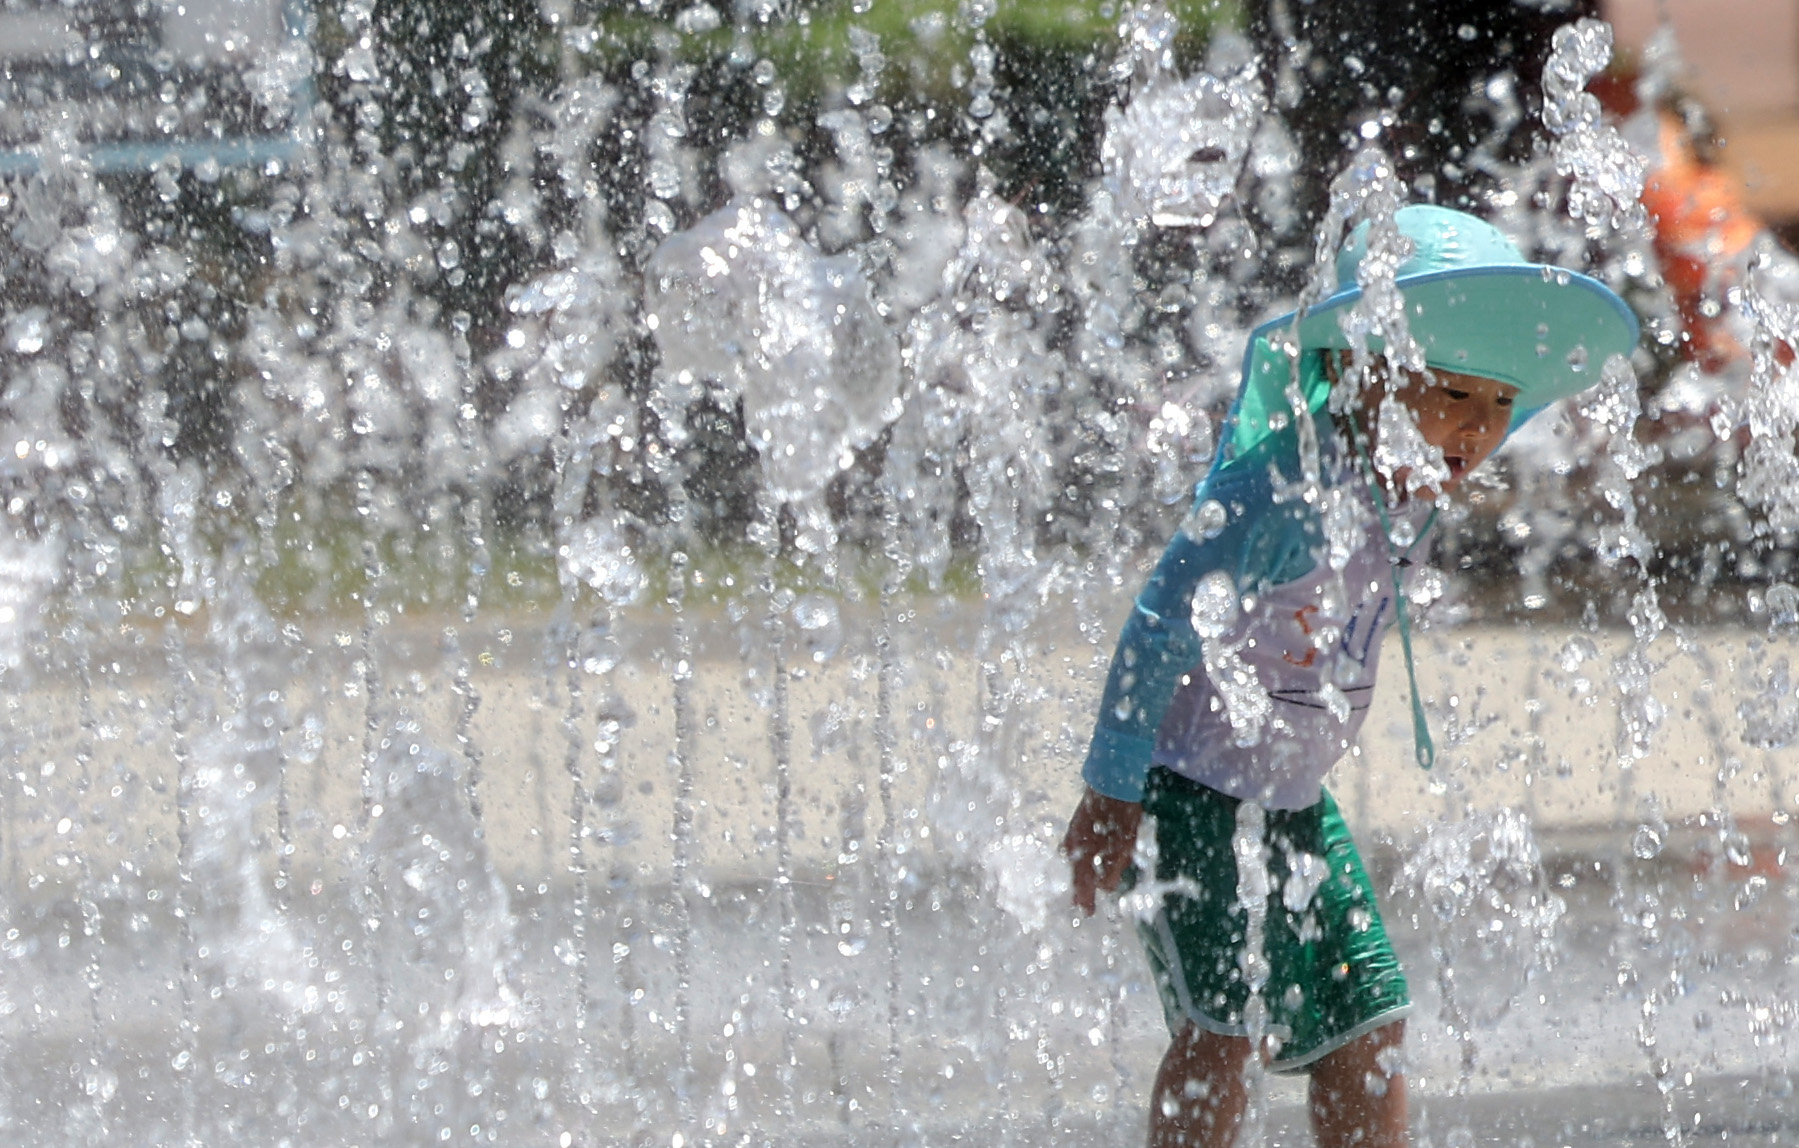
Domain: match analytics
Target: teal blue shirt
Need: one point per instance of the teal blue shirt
(1264, 540)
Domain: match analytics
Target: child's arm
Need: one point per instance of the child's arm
(1261, 542)
(1153, 653)
(1157, 648)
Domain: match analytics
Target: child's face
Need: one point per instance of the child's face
(1464, 416)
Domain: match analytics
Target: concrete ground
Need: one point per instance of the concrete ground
(695, 897)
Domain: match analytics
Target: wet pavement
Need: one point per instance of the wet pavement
(808, 1020)
(879, 955)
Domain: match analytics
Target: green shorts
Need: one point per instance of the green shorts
(1332, 973)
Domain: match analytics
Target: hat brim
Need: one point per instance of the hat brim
(1542, 330)
(1545, 330)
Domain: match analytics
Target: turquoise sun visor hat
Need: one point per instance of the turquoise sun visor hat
(1473, 306)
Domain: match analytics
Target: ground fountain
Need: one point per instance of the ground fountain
(559, 563)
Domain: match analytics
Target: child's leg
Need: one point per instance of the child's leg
(1358, 1096)
(1199, 1095)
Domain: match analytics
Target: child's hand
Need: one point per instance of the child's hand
(1101, 837)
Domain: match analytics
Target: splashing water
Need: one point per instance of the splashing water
(1195, 135)
(1492, 918)
(1216, 614)
(564, 595)
(742, 301)
(1485, 889)
(1607, 173)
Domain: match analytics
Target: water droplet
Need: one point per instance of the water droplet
(1206, 521)
(27, 331)
(1216, 606)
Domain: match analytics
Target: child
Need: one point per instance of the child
(1246, 669)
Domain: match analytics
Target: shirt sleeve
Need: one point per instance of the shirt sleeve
(1260, 542)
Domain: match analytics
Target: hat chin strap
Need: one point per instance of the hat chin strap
(1423, 748)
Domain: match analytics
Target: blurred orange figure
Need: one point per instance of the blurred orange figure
(1703, 229)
